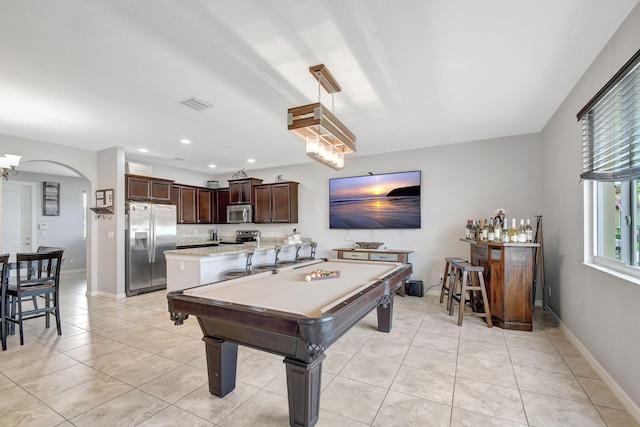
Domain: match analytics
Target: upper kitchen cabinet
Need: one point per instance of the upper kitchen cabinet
(206, 206)
(241, 190)
(148, 189)
(185, 199)
(221, 201)
(276, 203)
(195, 205)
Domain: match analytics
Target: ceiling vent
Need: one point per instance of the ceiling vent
(196, 103)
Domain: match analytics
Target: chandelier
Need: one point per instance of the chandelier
(327, 139)
(8, 163)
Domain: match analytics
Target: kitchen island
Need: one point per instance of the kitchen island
(196, 266)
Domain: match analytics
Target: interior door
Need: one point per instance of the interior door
(16, 217)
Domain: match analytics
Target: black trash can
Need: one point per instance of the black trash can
(414, 288)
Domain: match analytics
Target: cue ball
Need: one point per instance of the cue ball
(307, 277)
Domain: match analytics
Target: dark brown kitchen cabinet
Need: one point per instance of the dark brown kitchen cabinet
(221, 198)
(148, 189)
(184, 197)
(205, 207)
(276, 203)
(241, 190)
(194, 205)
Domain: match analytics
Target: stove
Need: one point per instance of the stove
(244, 236)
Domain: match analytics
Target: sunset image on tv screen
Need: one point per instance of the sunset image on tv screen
(375, 201)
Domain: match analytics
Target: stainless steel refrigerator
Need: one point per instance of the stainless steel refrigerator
(151, 229)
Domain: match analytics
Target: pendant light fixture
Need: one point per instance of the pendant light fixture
(327, 139)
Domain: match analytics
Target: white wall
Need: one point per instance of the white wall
(459, 182)
(64, 230)
(600, 310)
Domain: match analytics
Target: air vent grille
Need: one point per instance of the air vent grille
(196, 103)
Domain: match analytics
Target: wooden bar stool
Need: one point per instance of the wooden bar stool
(448, 278)
(472, 281)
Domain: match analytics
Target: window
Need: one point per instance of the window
(611, 164)
(84, 215)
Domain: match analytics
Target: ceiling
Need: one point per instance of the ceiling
(95, 74)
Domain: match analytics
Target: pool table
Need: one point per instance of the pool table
(282, 313)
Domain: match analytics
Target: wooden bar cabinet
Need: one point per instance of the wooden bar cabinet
(508, 274)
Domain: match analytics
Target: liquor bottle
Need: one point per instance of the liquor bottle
(497, 232)
(467, 230)
(485, 230)
(505, 231)
(522, 234)
(474, 230)
(513, 232)
(529, 231)
(491, 232)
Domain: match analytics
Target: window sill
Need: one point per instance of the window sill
(619, 271)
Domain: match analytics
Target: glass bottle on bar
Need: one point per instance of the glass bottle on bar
(485, 230)
(467, 230)
(529, 231)
(505, 231)
(491, 232)
(497, 231)
(513, 232)
(522, 234)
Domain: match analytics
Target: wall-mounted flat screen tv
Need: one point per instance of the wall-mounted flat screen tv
(389, 200)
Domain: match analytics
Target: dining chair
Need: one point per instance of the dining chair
(45, 249)
(4, 280)
(37, 274)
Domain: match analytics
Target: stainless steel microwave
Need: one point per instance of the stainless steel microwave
(238, 214)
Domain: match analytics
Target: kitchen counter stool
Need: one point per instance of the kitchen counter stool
(239, 272)
(448, 278)
(471, 279)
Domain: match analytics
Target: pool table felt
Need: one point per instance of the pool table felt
(288, 291)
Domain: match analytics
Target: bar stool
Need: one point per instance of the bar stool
(448, 278)
(259, 268)
(239, 272)
(285, 262)
(472, 281)
(312, 253)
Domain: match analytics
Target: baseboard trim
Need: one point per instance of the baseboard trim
(622, 396)
(80, 270)
(106, 294)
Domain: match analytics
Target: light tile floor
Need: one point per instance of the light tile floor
(123, 363)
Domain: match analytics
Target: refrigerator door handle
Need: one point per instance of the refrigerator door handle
(152, 240)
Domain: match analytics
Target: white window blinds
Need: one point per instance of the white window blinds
(611, 128)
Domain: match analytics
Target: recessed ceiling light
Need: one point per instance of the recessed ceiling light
(143, 150)
(251, 160)
(185, 141)
(212, 165)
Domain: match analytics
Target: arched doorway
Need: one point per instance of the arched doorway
(33, 215)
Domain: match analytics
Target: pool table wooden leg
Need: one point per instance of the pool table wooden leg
(303, 388)
(385, 313)
(222, 359)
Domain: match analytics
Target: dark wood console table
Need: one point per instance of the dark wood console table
(508, 273)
